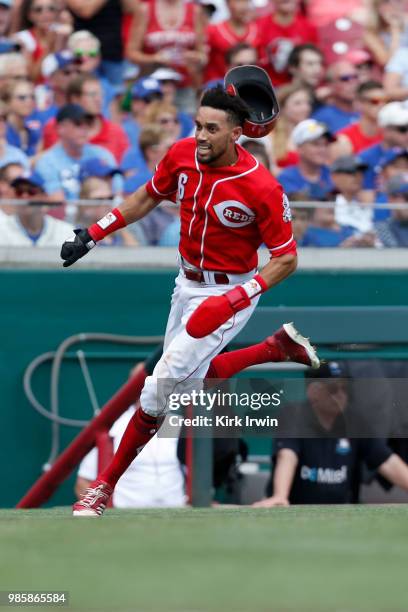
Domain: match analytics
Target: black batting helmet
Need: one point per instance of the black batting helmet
(253, 85)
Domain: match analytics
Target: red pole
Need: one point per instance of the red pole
(45, 486)
(104, 445)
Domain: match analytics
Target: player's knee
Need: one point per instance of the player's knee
(149, 397)
(176, 371)
(157, 388)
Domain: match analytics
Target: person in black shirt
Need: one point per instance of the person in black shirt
(104, 19)
(326, 469)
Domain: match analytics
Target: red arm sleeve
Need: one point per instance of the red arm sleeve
(274, 222)
(164, 181)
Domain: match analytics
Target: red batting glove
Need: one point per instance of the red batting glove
(216, 310)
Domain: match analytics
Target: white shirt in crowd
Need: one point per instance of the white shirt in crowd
(353, 213)
(153, 480)
(12, 232)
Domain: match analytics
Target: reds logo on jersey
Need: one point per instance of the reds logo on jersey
(234, 214)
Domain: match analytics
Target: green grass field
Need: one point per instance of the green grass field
(317, 559)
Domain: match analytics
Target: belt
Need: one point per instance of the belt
(212, 278)
(220, 278)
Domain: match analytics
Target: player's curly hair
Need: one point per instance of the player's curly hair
(235, 107)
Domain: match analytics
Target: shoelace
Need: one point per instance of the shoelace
(92, 494)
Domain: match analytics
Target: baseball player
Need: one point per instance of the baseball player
(229, 206)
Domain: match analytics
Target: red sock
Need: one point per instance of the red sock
(141, 428)
(226, 365)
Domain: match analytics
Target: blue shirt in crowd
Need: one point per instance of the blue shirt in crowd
(132, 129)
(137, 179)
(323, 237)
(374, 157)
(293, 181)
(380, 214)
(12, 155)
(186, 124)
(334, 117)
(392, 233)
(43, 116)
(61, 172)
(171, 234)
(33, 131)
(133, 160)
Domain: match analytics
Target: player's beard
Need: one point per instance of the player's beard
(212, 156)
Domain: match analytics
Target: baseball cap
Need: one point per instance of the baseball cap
(310, 130)
(57, 61)
(348, 164)
(393, 114)
(34, 178)
(166, 74)
(145, 88)
(397, 185)
(330, 369)
(96, 167)
(72, 112)
(392, 155)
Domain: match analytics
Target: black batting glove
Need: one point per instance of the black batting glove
(72, 250)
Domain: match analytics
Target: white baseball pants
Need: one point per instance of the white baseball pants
(186, 360)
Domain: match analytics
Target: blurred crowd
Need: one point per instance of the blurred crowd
(93, 93)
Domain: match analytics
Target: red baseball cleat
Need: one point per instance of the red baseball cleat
(93, 502)
(294, 346)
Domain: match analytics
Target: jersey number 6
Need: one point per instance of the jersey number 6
(183, 178)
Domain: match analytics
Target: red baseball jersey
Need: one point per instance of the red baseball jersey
(276, 41)
(220, 38)
(226, 213)
(172, 41)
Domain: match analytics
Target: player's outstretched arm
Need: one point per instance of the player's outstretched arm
(395, 470)
(284, 473)
(216, 310)
(135, 207)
